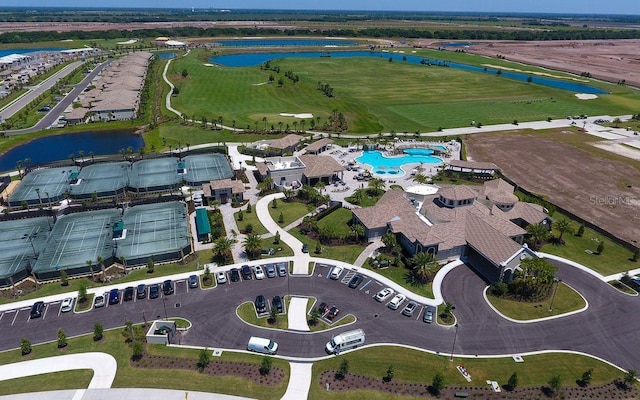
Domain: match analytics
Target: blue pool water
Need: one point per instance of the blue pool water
(58, 147)
(284, 42)
(6, 52)
(166, 56)
(392, 165)
(255, 59)
(423, 152)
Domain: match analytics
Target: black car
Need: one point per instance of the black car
(37, 309)
(154, 291)
(235, 275)
(322, 308)
(114, 296)
(305, 248)
(355, 281)
(167, 287)
(261, 304)
(246, 272)
(128, 293)
(193, 281)
(141, 291)
(277, 303)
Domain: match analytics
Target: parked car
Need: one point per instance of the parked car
(282, 269)
(67, 304)
(277, 303)
(410, 308)
(141, 291)
(235, 275)
(167, 287)
(221, 277)
(428, 315)
(114, 296)
(305, 248)
(333, 312)
(37, 309)
(270, 269)
(336, 272)
(259, 272)
(384, 294)
(246, 272)
(322, 308)
(261, 304)
(355, 281)
(154, 291)
(128, 293)
(398, 299)
(98, 301)
(193, 281)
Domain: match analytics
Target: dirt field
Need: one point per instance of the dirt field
(603, 191)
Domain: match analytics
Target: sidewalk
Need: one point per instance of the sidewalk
(122, 394)
(299, 381)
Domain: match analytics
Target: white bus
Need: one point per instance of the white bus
(345, 340)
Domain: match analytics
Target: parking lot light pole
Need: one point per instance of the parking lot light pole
(553, 296)
(454, 342)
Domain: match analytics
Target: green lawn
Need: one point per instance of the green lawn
(405, 96)
(291, 211)
(401, 276)
(418, 367)
(339, 221)
(622, 287)
(250, 218)
(347, 253)
(267, 243)
(613, 259)
(247, 312)
(368, 199)
(64, 380)
(566, 300)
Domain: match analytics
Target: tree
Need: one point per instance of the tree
(389, 240)
(274, 203)
(62, 338)
(344, 369)
(204, 359)
(390, 374)
(240, 215)
(273, 315)
(630, 377)
(376, 185)
(318, 249)
(25, 346)
(248, 208)
(252, 245)
(636, 255)
(137, 350)
(358, 231)
(276, 238)
(423, 265)
(281, 218)
(563, 226)
(315, 316)
(580, 230)
(185, 73)
(586, 377)
(265, 366)
(150, 266)
(600, 248)
(513, 381)
(555, 384)
(539, 233)
(438, 383)
(82, 294)
(98, 331)
(64, 279)
(222, 247)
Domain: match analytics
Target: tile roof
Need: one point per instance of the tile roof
(528, 212)
(392, 204)
(291, 140)
(488, 241)
(320, 166)
(317, 145)
(235, 186)
(458, 192)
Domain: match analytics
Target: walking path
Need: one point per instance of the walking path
(297, 314)
(122, 394)
(299, 381)
(368, 252)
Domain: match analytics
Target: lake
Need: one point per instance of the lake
(255, 59)
(284, 42)
(58, 147)
(6, 52)
(166, 56)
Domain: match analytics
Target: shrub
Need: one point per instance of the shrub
(25, 346)
(280, 218)
(98, 331)
(240, 215)
(580, 231)
(499, 289)
(636, 255)
(438, 383)
(276, 238)
(64, 278)
(204, 359)
(150, 266)
(265, 366)
(82, 294)
(248, 228)
(344, 369)
(137, 351)
(600, 248)
(513, 381)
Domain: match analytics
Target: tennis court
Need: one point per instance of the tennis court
(157, 231)
(154, 174)
(105, 180)
(203, 168)
(76, 239)
(20, 241)
(52, 183)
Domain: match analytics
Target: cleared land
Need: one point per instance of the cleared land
(376, 95)
(562, 165)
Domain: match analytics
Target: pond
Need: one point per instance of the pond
(6, 52)
(284, 42)
(166, 56)
(255, 59)
(58, 147)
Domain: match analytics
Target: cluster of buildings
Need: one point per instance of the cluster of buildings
(115, 93)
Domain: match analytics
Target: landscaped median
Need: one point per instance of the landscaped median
(413, 372)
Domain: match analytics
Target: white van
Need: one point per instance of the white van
(262, 345)
(345, 340)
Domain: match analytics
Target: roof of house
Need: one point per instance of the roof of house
(488, 241)
(235, 186)
(286, 142)
(317, 145)
(320, 166)
(528, 212)
(77, 113)
(473, 165)
(458, 192)
(262, 168)
(392, 204)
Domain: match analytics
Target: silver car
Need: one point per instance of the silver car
(410, 308)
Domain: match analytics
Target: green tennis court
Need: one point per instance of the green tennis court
(203, 168)
(154, 174)
(105, 180)
(51, 182)
(20, 241)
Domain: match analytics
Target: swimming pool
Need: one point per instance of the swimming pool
(392, 166)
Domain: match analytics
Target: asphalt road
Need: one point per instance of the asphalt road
(608, 329)
(57, 110)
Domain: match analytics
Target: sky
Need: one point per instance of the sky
(538, 6)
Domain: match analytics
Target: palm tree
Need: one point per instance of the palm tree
(377, 185)
(320, 186)
(563, 225)
(264, 119)
(421, 178)
(358, 231)
(423, 265)
(538, 233)
(252, 245)
(222, 247)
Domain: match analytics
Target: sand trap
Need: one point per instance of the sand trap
(260, 84)
(303, 115)
(533, 72)
(130, 41)
(209, 65)
(585, 96)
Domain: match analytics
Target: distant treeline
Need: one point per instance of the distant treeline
(582, 34)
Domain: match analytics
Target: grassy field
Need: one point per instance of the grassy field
(75, 379)
(291, 211)
(419, 367)
(566, 300)
(339, 220)
(405, 97)
(247, 312)
(267, 243)
(400, 276)
(128, 376)
(250, 218)
(347, 253)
